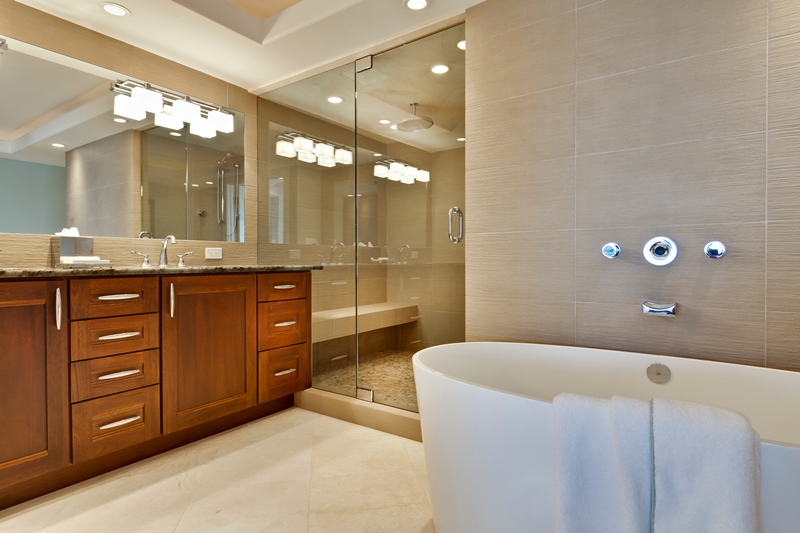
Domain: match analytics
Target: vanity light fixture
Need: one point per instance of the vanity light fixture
(115, 9)
(396, 171)
(343, 157)
(335, 100)
(324, 150)
(327, 162)
(440, 69)
(462, 45)
(304, 145)
(403, 172)
(202, 128)
(120, 120)
(381, 171)
(175, 134)
(186, 111)
(307, 157)
(124, 107)
(285, 149)
(58, 145)
(147, 99)
(415, 5)
(423, 176)
(222, 122)
(166, 120)
(385, 121)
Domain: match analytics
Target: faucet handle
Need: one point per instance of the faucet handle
(145, 261)
(181, 262)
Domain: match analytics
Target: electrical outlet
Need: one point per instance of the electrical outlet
(213, 253)
(414, 255)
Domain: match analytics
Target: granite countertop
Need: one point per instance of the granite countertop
(138, 271)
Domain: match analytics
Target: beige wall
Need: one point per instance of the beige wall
(21, 22)
(623, 120)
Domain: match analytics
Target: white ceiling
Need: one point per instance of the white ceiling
(308, 34)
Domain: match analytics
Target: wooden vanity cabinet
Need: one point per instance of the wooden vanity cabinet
(34, 379)
(209, 351)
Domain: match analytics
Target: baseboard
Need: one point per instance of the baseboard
(373, 415)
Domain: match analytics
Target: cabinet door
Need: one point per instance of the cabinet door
(34, 379)
(209, 358)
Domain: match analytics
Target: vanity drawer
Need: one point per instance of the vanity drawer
(282, 286)
(115, 422)
(282, 372)
(109, 375)
(106, 297)
(282, 324)
(111, 336)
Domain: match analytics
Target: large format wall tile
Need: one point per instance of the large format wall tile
(529, 59)
(783, 266)
(713, 95)
(520, 320)
(520, 130)
(711, 181)
(619, 35)
(784, 17)
(783, 340)
(490, 18)
(783, 185)
(736, 281)
(784, 77)
(695, 332)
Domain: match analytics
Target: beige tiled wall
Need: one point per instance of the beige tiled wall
(620, 120)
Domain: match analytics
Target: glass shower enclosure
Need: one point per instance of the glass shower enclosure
(385, 221)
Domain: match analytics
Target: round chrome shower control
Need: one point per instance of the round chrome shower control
(611, 250)
(660, 251)
(715, 249)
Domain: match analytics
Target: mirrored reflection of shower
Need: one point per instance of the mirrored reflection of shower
(227, 199)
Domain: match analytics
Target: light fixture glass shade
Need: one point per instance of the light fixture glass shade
(222, 122)
(344, 157)
(186, 111)
(147, 99)
(285, 149)
(381, 171)
(168, 121)
(406, 180)
(328, 162)
(301, 144)
(324, 150)
(202, 128)
(395, 176)
(308, 157)
(125, 107)
(396, 168)
(410, 173)
(424, 176)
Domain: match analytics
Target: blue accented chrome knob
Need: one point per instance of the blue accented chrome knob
(611, 250)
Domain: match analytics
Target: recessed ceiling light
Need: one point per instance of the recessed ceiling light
(415, 5)
(394, 126)
(175, 134)
(462, 45)
(335, 100)
(209, 183)
(120, 120)
(461, 139)
(439, 69)
(377, 155)
(58, 145)
(384, 121)
(195, 185)
(349, 195)
(115, 9)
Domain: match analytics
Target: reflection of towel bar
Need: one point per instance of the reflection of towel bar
(653, 308)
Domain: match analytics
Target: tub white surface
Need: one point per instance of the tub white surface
(487, 425)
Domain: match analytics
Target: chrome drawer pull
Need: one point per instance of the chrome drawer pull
(415, 317)
(284, 287)
(117, 375)
(290, 371)
(58, 309)
(285, 324)
(123, 422)
(117, 336)
(118, 297)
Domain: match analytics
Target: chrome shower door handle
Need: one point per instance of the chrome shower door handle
(460, 213)
(58, 309)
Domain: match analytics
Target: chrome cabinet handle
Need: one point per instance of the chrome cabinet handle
(290, 371)
(58, 309)
(285, 324)
(172, 300)
(118, 297)
(415, 317)
(117, 336)
(653, 308)
(117, 375)
(456, 210)
(123, 422)
(284, 287)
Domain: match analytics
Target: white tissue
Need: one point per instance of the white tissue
(71, 232)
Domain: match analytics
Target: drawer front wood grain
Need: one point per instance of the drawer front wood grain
(282, 372)
(112, 336)
(107, 297)
(115, 422)
(282, 286)
(118, 373)
(282, 324)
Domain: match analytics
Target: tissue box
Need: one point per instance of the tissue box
(76, 246)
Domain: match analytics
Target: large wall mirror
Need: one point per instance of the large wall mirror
(79, 149)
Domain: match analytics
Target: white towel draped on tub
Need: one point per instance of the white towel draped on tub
(626, 466)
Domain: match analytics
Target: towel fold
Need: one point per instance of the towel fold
(707, 472)
(633, 459)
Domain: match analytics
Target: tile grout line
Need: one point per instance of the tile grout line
(766, 182)
(575, 188)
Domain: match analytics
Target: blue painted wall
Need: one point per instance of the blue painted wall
(32, 197)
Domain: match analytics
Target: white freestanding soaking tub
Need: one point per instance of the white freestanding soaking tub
(487, 425)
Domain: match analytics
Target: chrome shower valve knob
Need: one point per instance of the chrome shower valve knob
(715, 249)
(660, 251)
(611, 250)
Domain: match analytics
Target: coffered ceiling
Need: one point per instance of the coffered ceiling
(254, 43)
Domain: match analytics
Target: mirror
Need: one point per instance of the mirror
(68, 158)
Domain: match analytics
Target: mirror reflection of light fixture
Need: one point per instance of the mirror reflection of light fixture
(285, 149)
(222, 122)
(202, 128)
(344, 157)
(124, 107)
(165, 119)
(186, 111)
(147, 99)
(381, 171)
(396, 171)
(423, 176)
(303, 145)
(328, 162)
(307, 157)
(410, 173)
(324, 150)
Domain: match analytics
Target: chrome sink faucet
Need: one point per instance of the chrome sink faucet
(163, 262)
(401, 254)
(333, 251)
